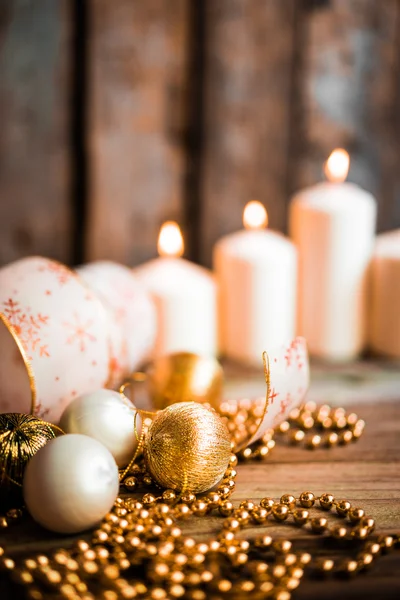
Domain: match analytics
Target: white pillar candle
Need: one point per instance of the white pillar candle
(384, 318)
(333, 226)
(185, 298)
(256, 271)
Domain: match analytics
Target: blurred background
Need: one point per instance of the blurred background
(116, 116)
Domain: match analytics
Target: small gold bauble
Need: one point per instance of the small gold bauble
(187, 447)
(21, 436)
(184, 377)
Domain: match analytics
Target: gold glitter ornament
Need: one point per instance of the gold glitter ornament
(187, 448)
(21, 436)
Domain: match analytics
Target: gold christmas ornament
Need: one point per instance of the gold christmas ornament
(184, 377)
(21, 436)
(187, 448)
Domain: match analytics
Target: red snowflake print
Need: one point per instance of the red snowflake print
(28, 327)
(41, 412)
(272, 395)
(285, 404)
(63, 274)
(293, 354)
(80, 333)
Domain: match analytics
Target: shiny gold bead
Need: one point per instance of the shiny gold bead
(263, 452)
(226, 508)
(29, 564)
(199, 507)
(177, 577)
(169, 496)
(314, 441)
(100, 536)
(360, 533)
(266, 587)
(246, 586)
(259, 514)
(90, 567)
(231, 524)
(318, 524)
(22, 577)
(300, 516)
(42, 560)
(193, 579)
(292, 583)
(387, 542)
(3, 522)
(224, 585)
(182, 511)
(6, 564)
(149, 500)
(345, 437)
(213, 499)
(246, 453)
(333, 439)
(158, 594)
(267, 503)
(239, 559)
(326, 501)
(289, 500)
(343, 507)
(297, 436)
(339, 532)
(233, 461)
(279, 571)
(307, 499)
(290, 559)
(247, 505)
(326, 565)
(282, 546)
(368, 522)
(188, 497)
(366, 559)
(373, 547)
(280, 512)
(350, 567)
(34, 594)
(284, 426)
(305, 558)
(231, 484)
(177, 591)
(224, 491)
(264, 541)
(243, 516)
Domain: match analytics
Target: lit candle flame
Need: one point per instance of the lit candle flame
(170, 240)
(255, 215)
(337, 166)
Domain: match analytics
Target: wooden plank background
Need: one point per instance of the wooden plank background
(116, 116)
(35, 178)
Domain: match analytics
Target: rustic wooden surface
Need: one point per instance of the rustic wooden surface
(367, 473)
(347, 95)
(34, 129)
(248, 62)
(136, 120)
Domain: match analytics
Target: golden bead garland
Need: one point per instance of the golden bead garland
(139, 550)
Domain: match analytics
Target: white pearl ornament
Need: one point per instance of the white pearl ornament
(108, 417)
(70, 484)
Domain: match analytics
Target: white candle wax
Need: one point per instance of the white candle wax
(256, 272)
(333, 226)
(384, 318)
(185, 298)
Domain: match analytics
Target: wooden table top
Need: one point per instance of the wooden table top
(366, 472)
